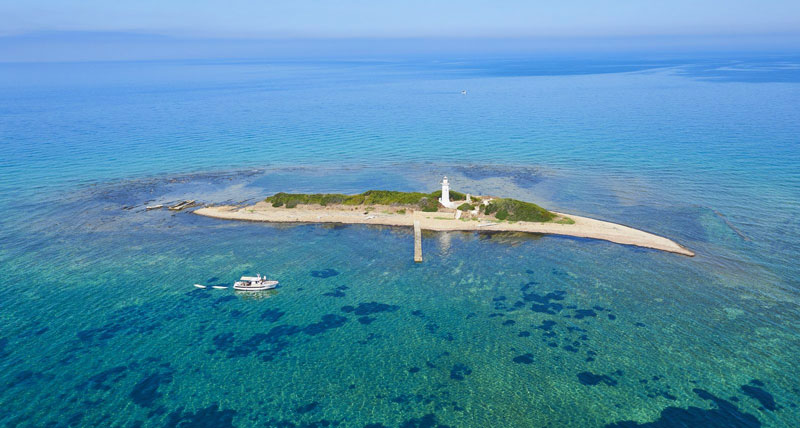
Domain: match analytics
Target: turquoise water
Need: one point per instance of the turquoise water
(101, 325)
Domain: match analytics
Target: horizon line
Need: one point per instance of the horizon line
(334, 37)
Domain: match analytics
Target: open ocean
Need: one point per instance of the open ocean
(100, 324)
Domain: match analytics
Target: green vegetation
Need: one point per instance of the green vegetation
(454, 196)
(430, 205)
(565, 220)
(428, 202)
(503, 209)
(514, 210)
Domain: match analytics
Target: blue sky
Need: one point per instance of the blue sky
(409, 18)
(90, 30)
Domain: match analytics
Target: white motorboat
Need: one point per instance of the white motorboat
(254, 283)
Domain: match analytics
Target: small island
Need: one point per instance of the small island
(442, 210)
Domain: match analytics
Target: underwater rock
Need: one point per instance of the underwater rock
(546, 325)
(366, 320)
(370, 337)
(224, 299)
(3, 343)
(725, 415)
(545, 303)
(583, 313)
(307, 407)
(460, 371)
(329, 321)
(524, 359)
(128, 320)
(146, 392)
(266, 345)
(427, 421)
(27, 377)
(211, 417)
(325, 273)
(591, 379)
(762, 396)
(272, 315)
(223, 341)
(337, 292)
(370, 308)
(98, 381)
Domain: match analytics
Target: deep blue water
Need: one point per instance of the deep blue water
(101, 324)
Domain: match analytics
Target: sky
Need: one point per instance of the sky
(90, 30)
(407, 18)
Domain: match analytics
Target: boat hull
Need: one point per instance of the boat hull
(269, 285)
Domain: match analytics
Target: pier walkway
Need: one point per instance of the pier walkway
(417, 242)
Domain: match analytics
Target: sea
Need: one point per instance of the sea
(100, 324)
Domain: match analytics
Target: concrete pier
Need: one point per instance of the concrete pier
(417, 242)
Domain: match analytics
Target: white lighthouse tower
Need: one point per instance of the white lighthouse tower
(445, 199)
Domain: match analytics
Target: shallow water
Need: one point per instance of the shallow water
(101, 324)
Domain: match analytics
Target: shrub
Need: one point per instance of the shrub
(429, 205)
(466, 207)
(323, 199)
(354, 200)
(454, 196)
(389, 197)
(515, 210)
(428, 202)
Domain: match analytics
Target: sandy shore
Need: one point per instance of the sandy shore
(443, 221)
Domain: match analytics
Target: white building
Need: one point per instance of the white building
(445, 199)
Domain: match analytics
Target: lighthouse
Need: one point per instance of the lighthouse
(445, 191)
(445, 199)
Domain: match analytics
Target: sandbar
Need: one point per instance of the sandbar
(583, 227)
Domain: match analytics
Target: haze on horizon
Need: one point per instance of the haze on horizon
(411, 18)
(54, 30)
